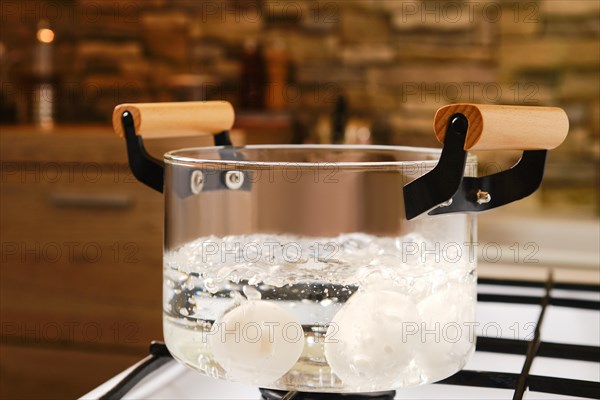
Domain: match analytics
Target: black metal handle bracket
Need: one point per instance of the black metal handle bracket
(145, 168)
(445, 189)
(150, 171)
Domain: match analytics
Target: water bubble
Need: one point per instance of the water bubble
(237, 297)
(210, 286)
(254, 280)
(251, 292)
(326, 302)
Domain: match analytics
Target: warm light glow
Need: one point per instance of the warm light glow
(45, 35)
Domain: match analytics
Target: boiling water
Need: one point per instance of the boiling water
(347, 314)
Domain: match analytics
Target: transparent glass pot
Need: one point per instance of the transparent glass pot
(305, 273)
(321, 268)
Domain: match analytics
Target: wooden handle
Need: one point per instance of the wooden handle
(493, 127)
(159, 120)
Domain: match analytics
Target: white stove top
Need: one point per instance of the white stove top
(571, 317)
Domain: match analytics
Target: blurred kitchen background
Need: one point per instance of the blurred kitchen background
(81, 240)
(386, 66)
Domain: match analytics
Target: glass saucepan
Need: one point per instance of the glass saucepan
(329, 268)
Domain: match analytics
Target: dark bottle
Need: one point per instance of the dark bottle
(40, 82)
(339, 119)
(254, 79)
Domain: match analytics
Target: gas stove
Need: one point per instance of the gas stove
(537, 339)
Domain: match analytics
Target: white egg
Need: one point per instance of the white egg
(368, 343)
(449, 336)
(257, 342)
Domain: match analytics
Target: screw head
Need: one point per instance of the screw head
(197, 182)
(459, 124)
(446, 203)
(234, 179)
(483, 197)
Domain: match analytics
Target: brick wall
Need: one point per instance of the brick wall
(395, 61)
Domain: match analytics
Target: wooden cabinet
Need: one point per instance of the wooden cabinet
(81, 260)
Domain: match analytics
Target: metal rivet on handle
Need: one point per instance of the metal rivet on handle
(197, 182)
(483, 197)
(234, 179)
(446, 203)
(460, 124)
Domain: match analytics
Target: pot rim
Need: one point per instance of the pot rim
(178, 157)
